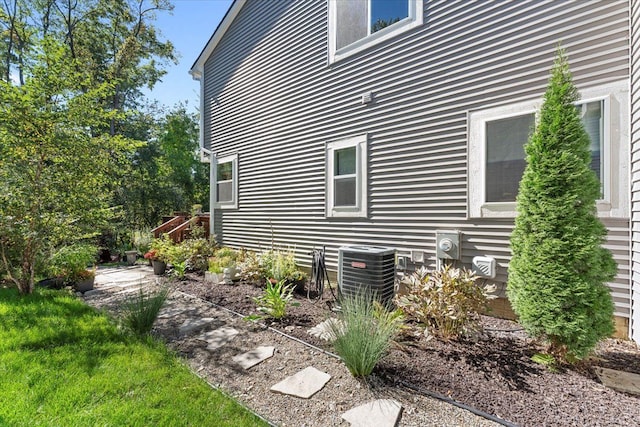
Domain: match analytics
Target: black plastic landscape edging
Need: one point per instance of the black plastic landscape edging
(411, 387)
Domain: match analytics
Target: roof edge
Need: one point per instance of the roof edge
(198, 66)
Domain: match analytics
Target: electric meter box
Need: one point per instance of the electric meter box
(448, 244)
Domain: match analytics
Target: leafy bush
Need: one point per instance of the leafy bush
(447, 301)
(223, 258)
(251, 268)
(363, 333)
(280, 265)
(162, 249)
(141, 311)
(141, 240)
(71, 262)
(275, 299)
(559, 269)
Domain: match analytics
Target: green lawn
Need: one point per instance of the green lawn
(62, 363)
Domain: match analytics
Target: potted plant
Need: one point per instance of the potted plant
(70, 264)
(141, 240)
(158, 254)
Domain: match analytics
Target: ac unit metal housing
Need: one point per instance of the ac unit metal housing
(367, 269)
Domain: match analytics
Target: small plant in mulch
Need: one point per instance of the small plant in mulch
(274, 301)
(141, 311)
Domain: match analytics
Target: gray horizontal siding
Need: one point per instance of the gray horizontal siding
(271, 96)
(635, 168)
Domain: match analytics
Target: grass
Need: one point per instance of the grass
(64, 363)
(141, 311)
(364, 335)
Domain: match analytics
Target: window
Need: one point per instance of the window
(355, 25)
(346, 177)
(226, 182)
(497, 159)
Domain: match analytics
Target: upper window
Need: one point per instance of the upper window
(497, 157)
(226, 184)
(346, 177)
(355, 25)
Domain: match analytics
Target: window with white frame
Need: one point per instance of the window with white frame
(355, 25)
(497, 158)
(226, 184)
(346, 177)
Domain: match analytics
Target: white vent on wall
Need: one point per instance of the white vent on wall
(484, 266)
(368, 269)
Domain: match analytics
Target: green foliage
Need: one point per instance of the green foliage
(70, 356)
(162, 249)
(363, 333)
(447, 301)
(281, 265)
(546, 360)
(190, 254)
(168, 175)
(275, 299)
(141, 240)
(251, 268)
(141, 311)
(71, 262)
(55, 161)
(223, 258)
(558, 273)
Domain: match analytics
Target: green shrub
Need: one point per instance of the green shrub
(275, 299)
(141, 311)
(559, 269)
(162, 249)
(251, 268)
(280, 265)
(363, 334)
(447, 301)
(71, 262)
(223, 258)
(141, 240)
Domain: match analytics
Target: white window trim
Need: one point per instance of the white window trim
(415, 19)
(233, 204)
(615, 173)
(360, 210)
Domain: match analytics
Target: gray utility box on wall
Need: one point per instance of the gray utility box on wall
(369, 269)
(447, 244)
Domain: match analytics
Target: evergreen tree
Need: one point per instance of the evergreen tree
(558, 273)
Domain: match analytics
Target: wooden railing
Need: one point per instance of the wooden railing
(178, 228)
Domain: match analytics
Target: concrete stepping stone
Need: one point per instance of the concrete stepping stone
(627, 382)
(192, 325)
(168, 312)
(377, 413)
(252, 358)
(218, 337)
(304, 384)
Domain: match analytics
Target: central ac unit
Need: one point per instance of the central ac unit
(367, 269)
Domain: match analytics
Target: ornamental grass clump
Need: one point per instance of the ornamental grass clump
(141, 311)
(559, 269)
(448, 302)
(364, 333)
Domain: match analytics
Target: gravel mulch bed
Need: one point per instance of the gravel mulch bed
(494, 373)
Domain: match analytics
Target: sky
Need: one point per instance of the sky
(189, 28)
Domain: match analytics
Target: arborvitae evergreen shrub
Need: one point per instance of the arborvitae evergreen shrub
(558, 273)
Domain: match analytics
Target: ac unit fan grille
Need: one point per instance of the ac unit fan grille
(370, 272)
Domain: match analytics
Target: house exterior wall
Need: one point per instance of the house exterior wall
(635, 169)
(271, 96)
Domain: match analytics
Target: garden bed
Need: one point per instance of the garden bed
(494, 373)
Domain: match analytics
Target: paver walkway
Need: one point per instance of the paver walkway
(218, 329)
